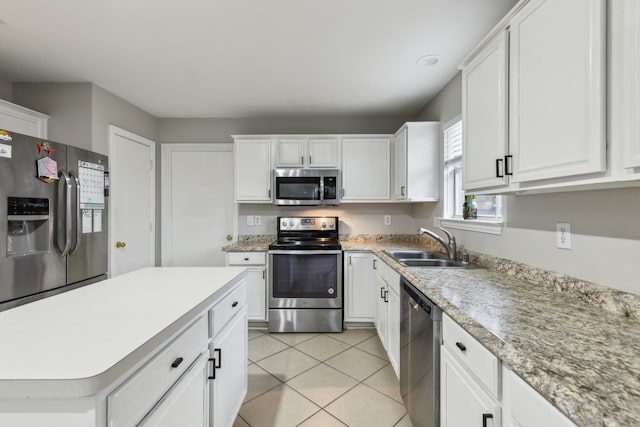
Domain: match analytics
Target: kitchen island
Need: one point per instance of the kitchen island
(63, 358)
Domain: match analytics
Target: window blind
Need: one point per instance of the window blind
(453, 143)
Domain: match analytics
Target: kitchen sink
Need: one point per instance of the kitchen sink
(417, 258)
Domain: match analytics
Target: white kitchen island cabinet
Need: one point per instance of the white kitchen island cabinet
(138, 349)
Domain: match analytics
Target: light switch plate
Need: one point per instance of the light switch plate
(563, 235)
(387, 220)
(249, 219)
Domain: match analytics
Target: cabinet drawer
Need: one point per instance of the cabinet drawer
(380, 268)
(222, 312)
(130, 402)
(473, 355)
(393, 280)
(246, 258)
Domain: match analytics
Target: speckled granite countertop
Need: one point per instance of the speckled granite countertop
(583, 356)
(575, 342)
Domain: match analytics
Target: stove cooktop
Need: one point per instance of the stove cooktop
(296, 244)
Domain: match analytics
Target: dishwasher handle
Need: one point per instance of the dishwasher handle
(424, 303)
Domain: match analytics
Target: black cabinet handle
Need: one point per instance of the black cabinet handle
(213, 369)
(177, 362)
(486, 417)
(461, 346)
(382, 292)
(498, 167)
(374, 264)
(508, 160)
(218, 364)
(235, 303)
(246, 259)
(386, 293)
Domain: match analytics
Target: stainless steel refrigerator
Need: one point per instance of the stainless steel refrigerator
(53, 218)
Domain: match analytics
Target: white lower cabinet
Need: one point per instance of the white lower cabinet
(257, 289)
(229, 376)
(381, 298)
(463, 401)
(359, 305)
(186, 403)
(198, 379)
(387, 320)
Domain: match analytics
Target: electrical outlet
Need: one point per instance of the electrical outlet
(249, 219)
(387, 220)
(563, 235)
(257, 220)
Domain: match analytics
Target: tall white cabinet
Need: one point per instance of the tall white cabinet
(557, 67)
(484, 116)
(366, 168)
(252, 169)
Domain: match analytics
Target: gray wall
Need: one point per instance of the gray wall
(6, 89)
(220, 130)
(67, 104)
(108, 109)
(605, 234)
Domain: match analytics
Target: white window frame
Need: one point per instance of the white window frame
(452, 200)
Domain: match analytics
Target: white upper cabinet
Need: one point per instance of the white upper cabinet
(309, 152)
(484, 116)
(416, 161)
(631, 83)
(557, 90)
(14, 118)
(289, 152)
(366, 168)
(252, 169)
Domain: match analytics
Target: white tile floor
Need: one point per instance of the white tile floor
(321, 380)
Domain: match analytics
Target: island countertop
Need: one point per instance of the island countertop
(75, 343)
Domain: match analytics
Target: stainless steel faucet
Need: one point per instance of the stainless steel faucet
(450, 246)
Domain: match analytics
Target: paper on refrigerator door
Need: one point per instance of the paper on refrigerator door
(92, 185)
(97, 221)
(86, 220)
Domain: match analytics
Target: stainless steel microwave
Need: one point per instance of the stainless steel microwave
(306, 187)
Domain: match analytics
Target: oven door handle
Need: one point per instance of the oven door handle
(303, 252)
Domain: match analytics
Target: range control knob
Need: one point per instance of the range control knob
(324, 224)
(291, 223)
(283, 224)
(332, 225)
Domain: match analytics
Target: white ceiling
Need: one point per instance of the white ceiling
(247, 58)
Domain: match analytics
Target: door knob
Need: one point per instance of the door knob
(229, 237)
(120, 244)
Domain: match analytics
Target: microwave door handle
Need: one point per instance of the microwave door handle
(321, 188)
(64, 250)
(78, 216)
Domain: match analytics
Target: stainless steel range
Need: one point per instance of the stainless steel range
(305, 268)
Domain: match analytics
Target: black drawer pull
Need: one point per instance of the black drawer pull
(498, 167)
(235, 303)
(177, 362)
(461, 346)
(486, 417)
(386, 294)
(382, 292)
(246, 259)
(213, 369)
(508, 159)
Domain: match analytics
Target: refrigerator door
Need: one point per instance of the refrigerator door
(88, 255)
(30, 261)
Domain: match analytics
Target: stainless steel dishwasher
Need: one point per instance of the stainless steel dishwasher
(420, 339)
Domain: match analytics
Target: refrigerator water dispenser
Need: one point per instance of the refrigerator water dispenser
(27, 226)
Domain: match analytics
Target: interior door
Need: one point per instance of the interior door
(198, 210)
(132, 197)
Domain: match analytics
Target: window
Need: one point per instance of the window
(489, 207)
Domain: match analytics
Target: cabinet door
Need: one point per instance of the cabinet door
(186, 403)
(400, 164)
(484, 116)
(631, 83)
(323, 152)
(15, 118)
(557, 75)
(359, 304)
(290, 152)
(256, 294)
(252, 170)
(462, 401)
(393, 330)
(229, 385)
(381, 307)
(366, 169)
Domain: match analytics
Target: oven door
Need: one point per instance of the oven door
(305, 279)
